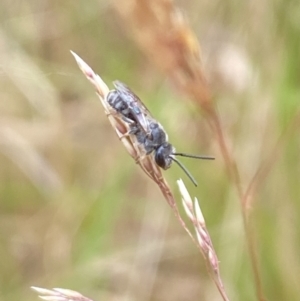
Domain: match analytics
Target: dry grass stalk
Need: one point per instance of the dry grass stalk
(162, 33)
(147, 163)
(149, 166)
(59, 294)
(205, 245)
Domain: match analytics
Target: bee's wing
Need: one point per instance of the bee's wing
(130, 96)
(137, 107)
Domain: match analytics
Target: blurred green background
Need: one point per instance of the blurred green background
(75, 210)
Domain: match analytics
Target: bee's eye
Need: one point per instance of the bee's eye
(162, 156)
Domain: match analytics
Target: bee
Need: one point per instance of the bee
(148, 132)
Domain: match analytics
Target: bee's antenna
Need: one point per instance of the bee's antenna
(194, 156)
(185, 170)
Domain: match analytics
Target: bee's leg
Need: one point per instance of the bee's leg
(128, 120)
(138, 157)
(125, 135)
(132, 131)
(122, 117)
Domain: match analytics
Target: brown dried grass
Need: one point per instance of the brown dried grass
(149, 166)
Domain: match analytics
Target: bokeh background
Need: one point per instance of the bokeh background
(75, 210)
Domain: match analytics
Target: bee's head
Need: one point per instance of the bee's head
(163, 155)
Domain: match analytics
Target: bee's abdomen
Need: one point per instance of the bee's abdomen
(117, 102)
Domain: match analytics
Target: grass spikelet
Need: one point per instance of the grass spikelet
(59, 294)
(204, 242)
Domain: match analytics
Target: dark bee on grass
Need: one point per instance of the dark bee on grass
(147, 131)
